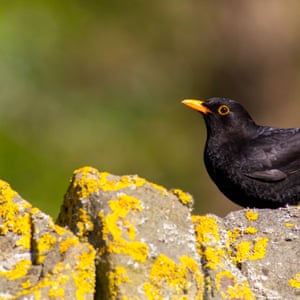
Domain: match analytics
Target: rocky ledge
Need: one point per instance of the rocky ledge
(123, 237)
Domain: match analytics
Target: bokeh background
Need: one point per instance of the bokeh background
(100, 83)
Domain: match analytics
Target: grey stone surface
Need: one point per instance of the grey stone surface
(38, 259)
(143, 234)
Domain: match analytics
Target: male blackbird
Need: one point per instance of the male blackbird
(253, 165)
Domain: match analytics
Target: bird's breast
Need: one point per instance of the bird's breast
(222, 161)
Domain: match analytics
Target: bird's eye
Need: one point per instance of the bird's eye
(223, 110)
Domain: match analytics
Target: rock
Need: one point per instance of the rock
(147, 246)
(38, 259)
(250, 254)
(142, 232)
(145, 237)
(265, 246)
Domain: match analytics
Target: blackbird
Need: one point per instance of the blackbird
(253, 165)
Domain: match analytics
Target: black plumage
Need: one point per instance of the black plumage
(253, 165)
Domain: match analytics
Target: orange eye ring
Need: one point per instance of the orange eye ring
(223, 110)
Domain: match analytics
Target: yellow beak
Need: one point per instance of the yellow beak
(197, 105)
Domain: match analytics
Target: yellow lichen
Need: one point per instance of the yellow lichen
(136, 250)
(86, 184)
(166, 270)
(113, 225)
(214, 257)
(59, 230)
(207, 235)
(251, 215)
(124, 182)
(177, 276)
(91, 180)
(241, 291)
(25, 204)
(48, 281)
(251, 250)
(24, 229)
(116, 222)
(84, 274)
(18, 271)
(192, 267)
(220, 278)
(7, 193)
(159, 188)
(8, 209)
(184, 198)
(43, 245)
(65, 245)
(152, 292)
(34, 211)
(56, 292)
(229, 288)
(250, 230)
(206, 228)
(129, 229)
(14, 219)
(259, 248)
(243, 251)
(116, 278)
(233, 235)
(124, 204)
(289, 224)
(8, 213)
(26, 284)
(84, 225)
(295, 282)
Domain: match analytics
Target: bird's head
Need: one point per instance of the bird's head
(223, 116)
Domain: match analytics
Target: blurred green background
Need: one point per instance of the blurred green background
(100, 83)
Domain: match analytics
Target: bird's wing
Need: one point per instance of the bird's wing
(271, 175)
(274, 157)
